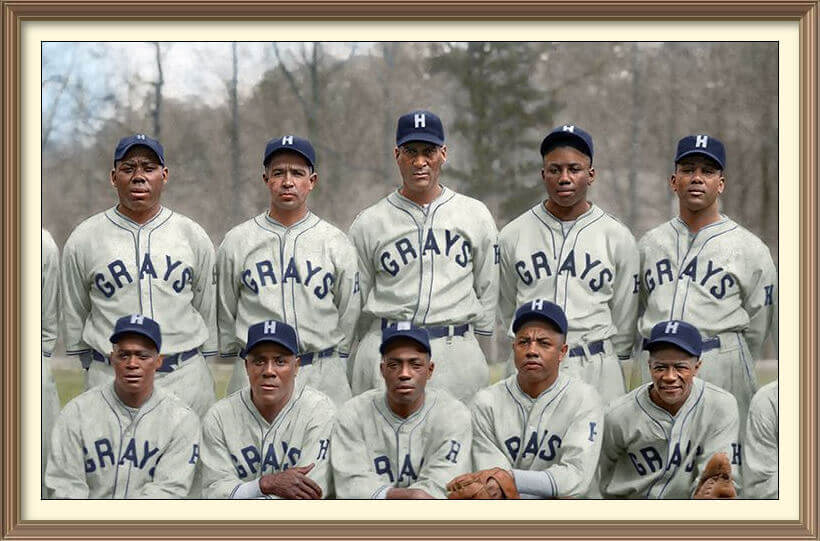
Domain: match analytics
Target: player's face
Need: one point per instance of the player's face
(672, 372)
(406, 368)
(538, 349)
(698, 180)
(139, 179)
(135, 360)
(272, 372)
(420, 167)
(567, 174)
(289, 180)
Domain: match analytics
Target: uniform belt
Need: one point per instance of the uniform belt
(437, 332)
(168, 363)
(706, 345)
(594, 349)
(307, 358)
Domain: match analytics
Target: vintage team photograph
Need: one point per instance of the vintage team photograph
(409, 270)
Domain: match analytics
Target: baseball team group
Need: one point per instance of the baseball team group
(360, 358)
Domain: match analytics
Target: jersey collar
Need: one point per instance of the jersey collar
(546, 216)
(399, 200)
(122, 220)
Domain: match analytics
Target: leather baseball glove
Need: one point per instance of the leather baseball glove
(479, 486)
(716, 480)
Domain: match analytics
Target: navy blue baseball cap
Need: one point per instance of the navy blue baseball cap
(293, 144)
(140, 139)
(540, 309)
(137, 324)
(568, 134)
(419, 126)
(679, 334)
(405, 329)
(272, 331)
(702, 144)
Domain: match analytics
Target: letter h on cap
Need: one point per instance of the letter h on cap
(287, 140)
(420, 120)
(538, 304)
(270, 327)
(137, 319)
(570, 128)
(701, 141)
(671, 328)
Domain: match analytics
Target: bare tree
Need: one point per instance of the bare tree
(156, 112)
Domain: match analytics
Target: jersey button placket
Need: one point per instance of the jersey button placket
(426, 261)
(144, 279)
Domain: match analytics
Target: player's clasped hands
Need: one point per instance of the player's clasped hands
(291, 484)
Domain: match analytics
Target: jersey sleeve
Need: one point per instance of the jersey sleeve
(725, 439)
(760, 300)
(485, 274)
(353, 474)
(76, 300)
(448, 454)
(49, 310)
(227, 294)
(219, 476)
(65, 469)
(366, 270)
(624, 302)
(485, 452)
(204, 299)
(508, 282)
(316, 445)
(760, 475)
(612, 448)
(347, 295)
(174, 471)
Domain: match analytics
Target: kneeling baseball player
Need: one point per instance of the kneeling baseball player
(108, 442)
(536, 434)
(405, 441)
(676, 437)
(271, 438)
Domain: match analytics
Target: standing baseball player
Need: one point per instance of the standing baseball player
(405, 441)
(760, 445)
(141, 257)
(540, 429)
(50, 292)
(271, 439)
(427, 255)
(571, 252)
(705, 268)
(289, 265)
(660, 438)
(126, 439)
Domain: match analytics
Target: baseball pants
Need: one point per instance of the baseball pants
(50, 408)
(192, 381)
(326, 374)
(460, 366)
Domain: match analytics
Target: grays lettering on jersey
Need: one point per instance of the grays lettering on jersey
(103, 449)
(760, 445)
(551, 443)
(650, 454)
(239, 446)
(375, 450)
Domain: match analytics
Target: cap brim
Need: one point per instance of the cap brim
(149, 147)
(702, 153)
(423, 137)
(287, 149)
(518, 323)
(116, 336)
(554, 139)
(386, 343)
(272, 341)
(677, 342)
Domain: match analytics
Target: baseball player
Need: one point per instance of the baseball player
(427, 255)
(760, 444)
(126, 439)
(405, 441)
(703, 267)
(660, 437)
(571, 252)
(271, 439)
(50, 291)
(141, 257)
(289, 265)
(541, 424)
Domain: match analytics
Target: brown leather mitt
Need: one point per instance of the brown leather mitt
(474, 486)
(716, 480)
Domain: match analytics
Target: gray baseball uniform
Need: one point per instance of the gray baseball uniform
(103, 449)
(163, 269)
(239, 445)
(723, 281)
(50, 292)
(760, 444)
(649, 454)
(551, 443)
(375, 450)
(304, 275)
(436, 266)
(589, 269)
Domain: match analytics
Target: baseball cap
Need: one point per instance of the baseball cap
(568, 134)
(137, 324)
(419, 126)
(702, 144)
(293, 144)
(679, 334)
(272, 331)
(540, 309)
(405, 329)
(138, 139)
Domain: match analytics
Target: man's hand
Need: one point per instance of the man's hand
(408, 494)
(291, 484)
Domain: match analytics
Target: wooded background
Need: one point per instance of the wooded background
(215, 105)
